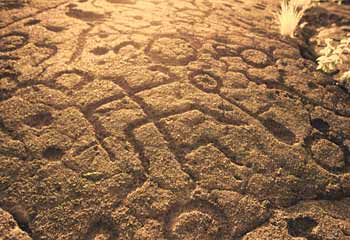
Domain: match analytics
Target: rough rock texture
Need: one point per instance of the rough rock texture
(9, 228)
(162, 119)
(308, 220)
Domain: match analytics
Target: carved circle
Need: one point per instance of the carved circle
(100, 51)
(197, 220)
(195, 225)
(255, 58)
(279, 131)
(205, 81)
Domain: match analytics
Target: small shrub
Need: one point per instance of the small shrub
(346, 75)
(333, 55)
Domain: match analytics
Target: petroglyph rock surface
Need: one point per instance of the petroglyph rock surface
(171, 119)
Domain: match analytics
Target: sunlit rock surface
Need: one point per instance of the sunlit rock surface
(162, 119)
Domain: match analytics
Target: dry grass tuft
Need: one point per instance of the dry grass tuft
(290, 14)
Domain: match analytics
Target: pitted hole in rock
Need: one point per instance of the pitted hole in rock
(312, 85)
(100, 51)
(103, 35)
(102, 229)
(278, 130)
(4, 94)
(53, 153)
(156, 23)
(53, 28)
(320, 124)
(13, 41)
(102, 62)
(138, 17)
(72, 5)
(86, 16)
(39, 120)
(302, 227)
(32, 22)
